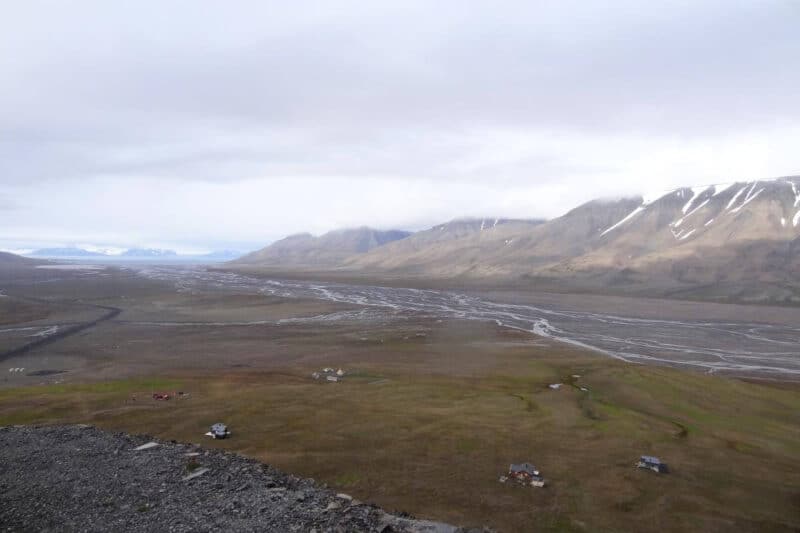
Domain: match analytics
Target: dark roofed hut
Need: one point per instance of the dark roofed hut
(522, 469)
(652, 463)
(219, 431)
(526, 473)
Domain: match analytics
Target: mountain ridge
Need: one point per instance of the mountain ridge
(327, 250)
(7, 258)
(737, 241)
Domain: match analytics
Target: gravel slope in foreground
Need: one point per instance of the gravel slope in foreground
(81, 478)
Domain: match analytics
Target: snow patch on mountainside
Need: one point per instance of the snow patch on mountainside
(693, 211)
(796, 193)
(749, 198)
(696, 192)
(735, 197)
(624, 220)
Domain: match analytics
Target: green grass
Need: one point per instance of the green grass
(434, 445)
(347, 479)
(106, 387)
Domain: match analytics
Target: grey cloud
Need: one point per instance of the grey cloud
(202, 91)
(7, 204)
(447, 64)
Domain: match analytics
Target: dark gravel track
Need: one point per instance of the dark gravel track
(110, 312)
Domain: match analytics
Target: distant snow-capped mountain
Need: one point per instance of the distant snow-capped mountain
(148, 252)
(76, 252)
(222, 255)
(132, 254)
(65, 252)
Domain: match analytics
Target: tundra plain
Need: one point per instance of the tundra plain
(429, 415)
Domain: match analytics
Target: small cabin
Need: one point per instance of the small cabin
(219, 431)
(652, 463)
(526, 473)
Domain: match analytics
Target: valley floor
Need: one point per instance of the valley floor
(428, 417)
(601, 284)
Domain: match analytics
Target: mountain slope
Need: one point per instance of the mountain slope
(446, 249)
(738, 241)
(12, 264)
(712, 222)
(655, 236)
(506, 250)
(326, 251)
(9, 260)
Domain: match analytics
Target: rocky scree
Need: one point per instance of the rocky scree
(79, 478)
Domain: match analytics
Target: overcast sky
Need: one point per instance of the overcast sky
(200, 125)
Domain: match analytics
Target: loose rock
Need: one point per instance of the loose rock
(68, 478)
